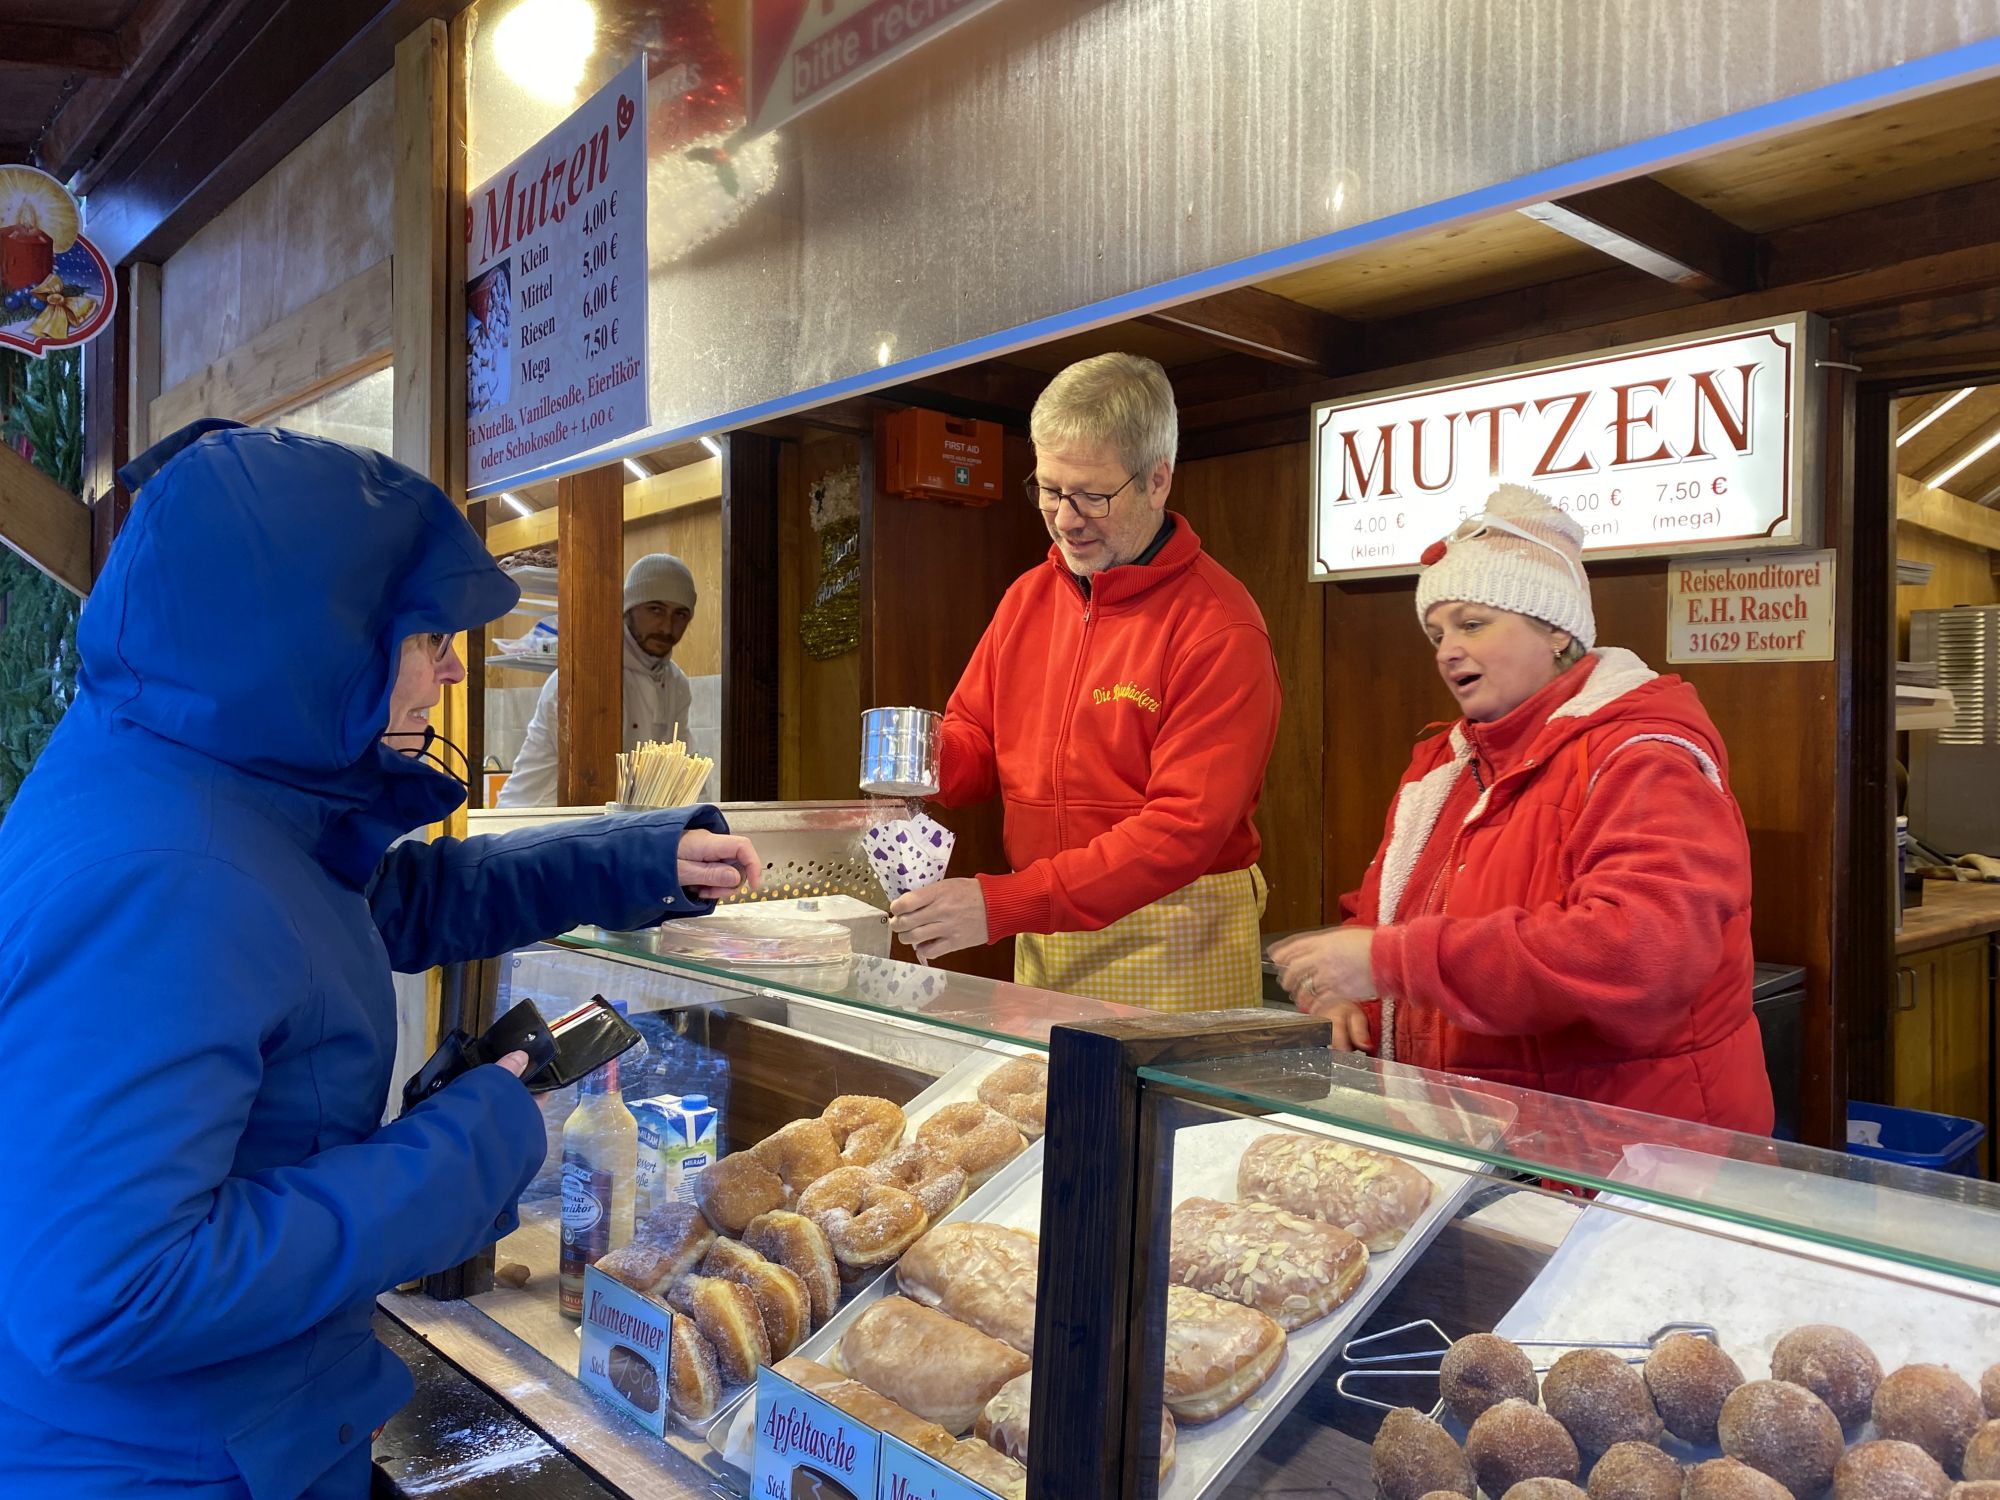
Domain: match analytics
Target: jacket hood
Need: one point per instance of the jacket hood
(253, 609)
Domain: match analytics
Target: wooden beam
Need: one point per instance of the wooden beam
(590, 651)
(44, 523)
(337, 337)
(691, 484)
(420, 304)
(1929, 224)
(71, 50)
(750, 618)
(993, 392)
(1251, 321)
(1944, 514)
(1654, 229)
(142, 374)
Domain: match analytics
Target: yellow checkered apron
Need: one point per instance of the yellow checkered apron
(1196, 949)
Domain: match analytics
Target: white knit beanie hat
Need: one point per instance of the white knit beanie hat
(1522, 555)
(659, 578)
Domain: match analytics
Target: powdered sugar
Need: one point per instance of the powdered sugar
(467, 1453)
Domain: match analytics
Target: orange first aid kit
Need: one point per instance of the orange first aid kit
(930, 456)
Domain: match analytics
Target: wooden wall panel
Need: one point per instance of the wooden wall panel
(322, 214)
(1253, 514)
(821, 700)
(937, 573)
(692, 533)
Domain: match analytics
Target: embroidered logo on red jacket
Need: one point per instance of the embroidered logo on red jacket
(1126, 692)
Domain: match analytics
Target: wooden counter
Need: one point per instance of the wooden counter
(1950, 914)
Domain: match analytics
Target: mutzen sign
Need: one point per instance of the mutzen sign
(1683, 446)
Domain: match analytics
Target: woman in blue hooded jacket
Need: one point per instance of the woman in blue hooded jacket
(199, 911)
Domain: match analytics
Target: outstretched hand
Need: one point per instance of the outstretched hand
(715, 865)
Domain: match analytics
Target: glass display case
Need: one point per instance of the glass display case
(1242, 1250)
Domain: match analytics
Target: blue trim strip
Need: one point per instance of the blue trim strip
(1848, 96)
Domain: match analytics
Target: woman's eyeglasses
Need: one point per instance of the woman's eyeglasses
(436, 644)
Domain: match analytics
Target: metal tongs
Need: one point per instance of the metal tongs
(1367, 1364)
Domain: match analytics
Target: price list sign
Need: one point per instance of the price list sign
(1679, 446)
(556, 300)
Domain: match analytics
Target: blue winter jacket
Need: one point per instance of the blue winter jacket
(199, 912)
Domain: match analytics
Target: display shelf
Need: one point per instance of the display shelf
(523, 663)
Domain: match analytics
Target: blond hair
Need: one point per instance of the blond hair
(1120, 399)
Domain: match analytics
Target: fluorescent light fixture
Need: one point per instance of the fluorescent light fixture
(1931, 416)
(520, 506)
(714, 448)
(544, 46)
(636, 470)
(1965, 460)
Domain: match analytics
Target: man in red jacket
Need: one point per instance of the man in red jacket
(1122, 704)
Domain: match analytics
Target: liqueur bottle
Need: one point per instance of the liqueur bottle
(600, 1158)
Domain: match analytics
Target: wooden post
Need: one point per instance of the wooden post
(142, 374)
(1100, 1316)
(590, 650)
(750, 716)
(107, 429)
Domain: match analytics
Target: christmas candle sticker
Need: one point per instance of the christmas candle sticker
(56, 289)
(555, 307)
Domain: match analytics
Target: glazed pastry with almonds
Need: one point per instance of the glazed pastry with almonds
(1375, 1198)
(934, 1365)
(994, 1472)
(984, 1275)
(1295, 1270)
(1004, 1423)
(1218, 1354)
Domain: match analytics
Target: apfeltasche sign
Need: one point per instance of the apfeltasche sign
(1689, 445)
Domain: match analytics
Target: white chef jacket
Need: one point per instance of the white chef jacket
(657, 698)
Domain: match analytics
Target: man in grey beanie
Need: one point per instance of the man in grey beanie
(659, 604)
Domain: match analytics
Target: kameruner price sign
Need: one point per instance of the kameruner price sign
(556, 301)
(1679, 446)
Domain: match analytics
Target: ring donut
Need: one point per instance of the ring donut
(867, 1222)
(927, 1175)
(1020, 1091)
(865, 1128)
(976, 1136)
(800, 1153)
(733, 1191)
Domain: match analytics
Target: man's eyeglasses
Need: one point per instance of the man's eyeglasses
(1086, 503)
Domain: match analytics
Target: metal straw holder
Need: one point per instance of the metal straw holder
(899, 752)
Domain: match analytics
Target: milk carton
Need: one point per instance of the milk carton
(678, 1136)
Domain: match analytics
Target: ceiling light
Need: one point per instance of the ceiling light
(1986, 445)
(515, 500)
(883, 352)
(714, 448)
(544, 46)
(1931, 416)
(636, 470)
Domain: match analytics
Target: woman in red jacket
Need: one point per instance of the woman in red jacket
(1561, 900)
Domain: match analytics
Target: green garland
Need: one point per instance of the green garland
(41, 404)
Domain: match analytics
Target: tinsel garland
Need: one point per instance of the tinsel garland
(831, 624)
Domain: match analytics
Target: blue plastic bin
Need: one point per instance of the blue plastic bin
(1917, 1138)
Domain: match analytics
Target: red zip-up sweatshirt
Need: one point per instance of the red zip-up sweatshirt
(1126, 734)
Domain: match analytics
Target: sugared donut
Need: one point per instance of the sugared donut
(733, 1191)
(1689, 1378)
(1020, 1091)
(800, 1153)
(1989, 1391)
(1784, 1430)
(867, 1222)
(976, 1136)
(1731, 1479)
(1889, 1470)
(1482, 1370)
(782, 1300)
(694, 1378)
(1545, 1489)
(865, 1129)
(1634, 1471)
(801, 1247)
(1600, 1399)
(1930, 1406)
(1514, 1441)
(1412, 1456)
(1834, 1365)
(1976, 1489)
(726, 1313)
(926, 1174)
(1982, 1454)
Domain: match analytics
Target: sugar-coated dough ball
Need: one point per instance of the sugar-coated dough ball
(1600, 1399)
(1784, 1430)
(1515, 1441)
(1982, 1454)
(1930, 1406)
(1635, 1471)
(1729, 1479)
(1545, 1489)
(1482, 1370)
(1889, 1470)
(1689, 1379)
(1989, 1391)
(1976, 1489)
(1834, 1365)
(1413, 1457)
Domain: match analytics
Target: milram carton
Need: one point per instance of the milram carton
(677, 1139)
